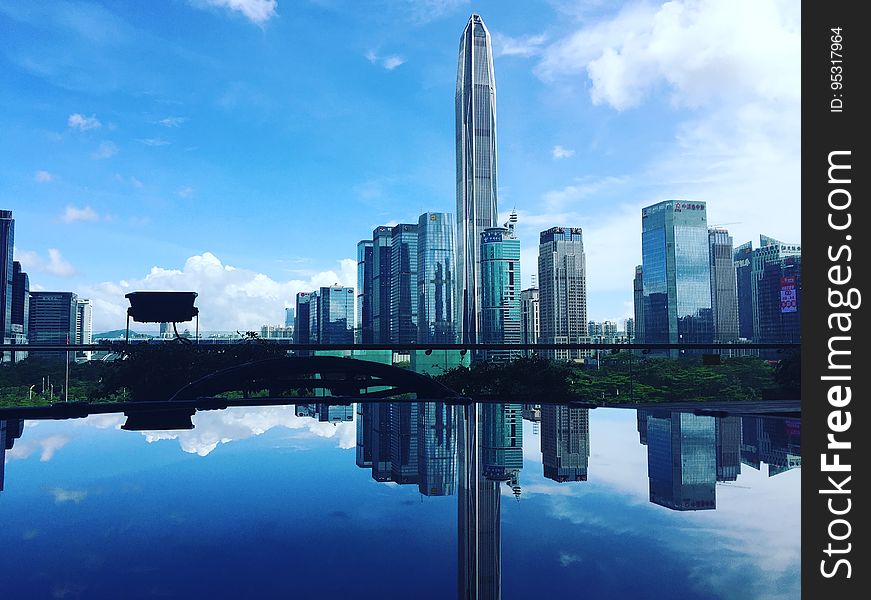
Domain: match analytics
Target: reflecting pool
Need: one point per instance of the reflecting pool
(403, 499)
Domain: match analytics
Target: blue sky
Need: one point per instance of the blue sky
(241, 148)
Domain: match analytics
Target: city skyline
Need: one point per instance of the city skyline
(68, 188)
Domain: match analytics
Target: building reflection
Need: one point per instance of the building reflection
(565, 442)
(10, 430)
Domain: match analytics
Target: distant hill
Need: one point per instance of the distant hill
(120, 333)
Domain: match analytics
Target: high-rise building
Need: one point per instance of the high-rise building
(562, 280)
(502, 441)
(771, 440)
(403, 442)
(403, 284)
(364, 434)
(20, 309)
(84, 326)
(530, 319)
(436, 449)
(742, 258)
(476, 169)
(381, 436)
(638, 297)
(676, 273)
(565, 442)
(335, 315)
(365, 264)
(288, 317)
(381, 264)
(724, 291)
(500, 284)
(7, 242)
(302, 319)
(52, 321)
(728, 435)
(681, 460)
(10, 430)
(436, 279)
(775, 283)
(630, 330)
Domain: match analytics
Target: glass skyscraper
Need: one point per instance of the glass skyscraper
(436, 449)
(365, 264)
(436, 278)
(336, 315)
(742, 258)
(530, 318)
(302, 318)
(565, 442)
(381, 240)
(775, 283)
(638, 301)
(562, 280)
(476, 168)
(403, 284)
(7, 242)
(724, 292)
(676, 273)
(500, 284)
(52, 321)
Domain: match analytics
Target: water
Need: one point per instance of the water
(260, 502)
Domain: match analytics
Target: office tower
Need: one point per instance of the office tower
(530, 319)
(335, 315)
(10, 430)
(728, 435)
(381, 264)
(562, 281)
(609, 331)
(775, 284)
(302, 319)
(594, 330)
(403, 442)
(630, 330)
(436, 449)
(381, 435)
(7, 242)
(724, 291)
(502, 440)
(500, 286)
(479, 544)
(288, 317)
(84, 325)
(476, 169)
(365, 265)
(52, 321)
(742, 259)
(20, 309)
(403, 284)
(772, 440)
(565, 442)
(436, 278)
(676, 273)
(334, 413)
(681, 460)
(641, 415)
(638, 297)
(364, 435)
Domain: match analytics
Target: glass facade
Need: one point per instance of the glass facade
(436, 278)
(565, 442)
(682, 466)
(436, 449)
(364, 333)
(500, 279)
(336, 315)
(476, 168)
(724, 292)
(562, 280)
(530, 318)
(403, 284)
(776, 291)
(52, 321)
(7, 242)
(502, 440)
(638, 301)
(742, 259)
(676, 273)
(302, 318)
(381, 239)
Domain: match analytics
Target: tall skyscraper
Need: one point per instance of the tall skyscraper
(775, 283)
(52, 321)
(742, 258)
(562, 280)
(476, 169)
(302, 319)
(403, 284)
(436, 278)
(565, 442)
(530, 318)
(335, 315)
(676, 273)
(502, 440)
(638, 297)
(10, 430)
(403, 442)
(436, 449)
(382, 237)
(288, 317)
(7, 242)
(20, 309)
(681, 460)
(365, 264)
(500, 284)
(724, 291)
(728, 434)
(84, 325)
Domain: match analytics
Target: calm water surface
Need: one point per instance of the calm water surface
(404, 500)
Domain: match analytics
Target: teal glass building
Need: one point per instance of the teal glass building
(500, 286)
(676, 273)
(436, 278)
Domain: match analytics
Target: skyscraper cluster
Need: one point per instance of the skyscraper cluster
(694, 287)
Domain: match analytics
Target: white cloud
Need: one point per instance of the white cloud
(55, 264)
(73, 214)
(46, 447)
(527, 45)
(105, 150)
(83, 123)
(229, 298)
(372, 56)
(566, 558)
(185, 192)
(61, 495)
(172, 121)
(559, 152)
(391, 62)
(153, 141)
(43, 177)
(212, 428)
(256, 11)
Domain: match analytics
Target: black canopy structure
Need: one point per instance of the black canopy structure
(162, 307)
